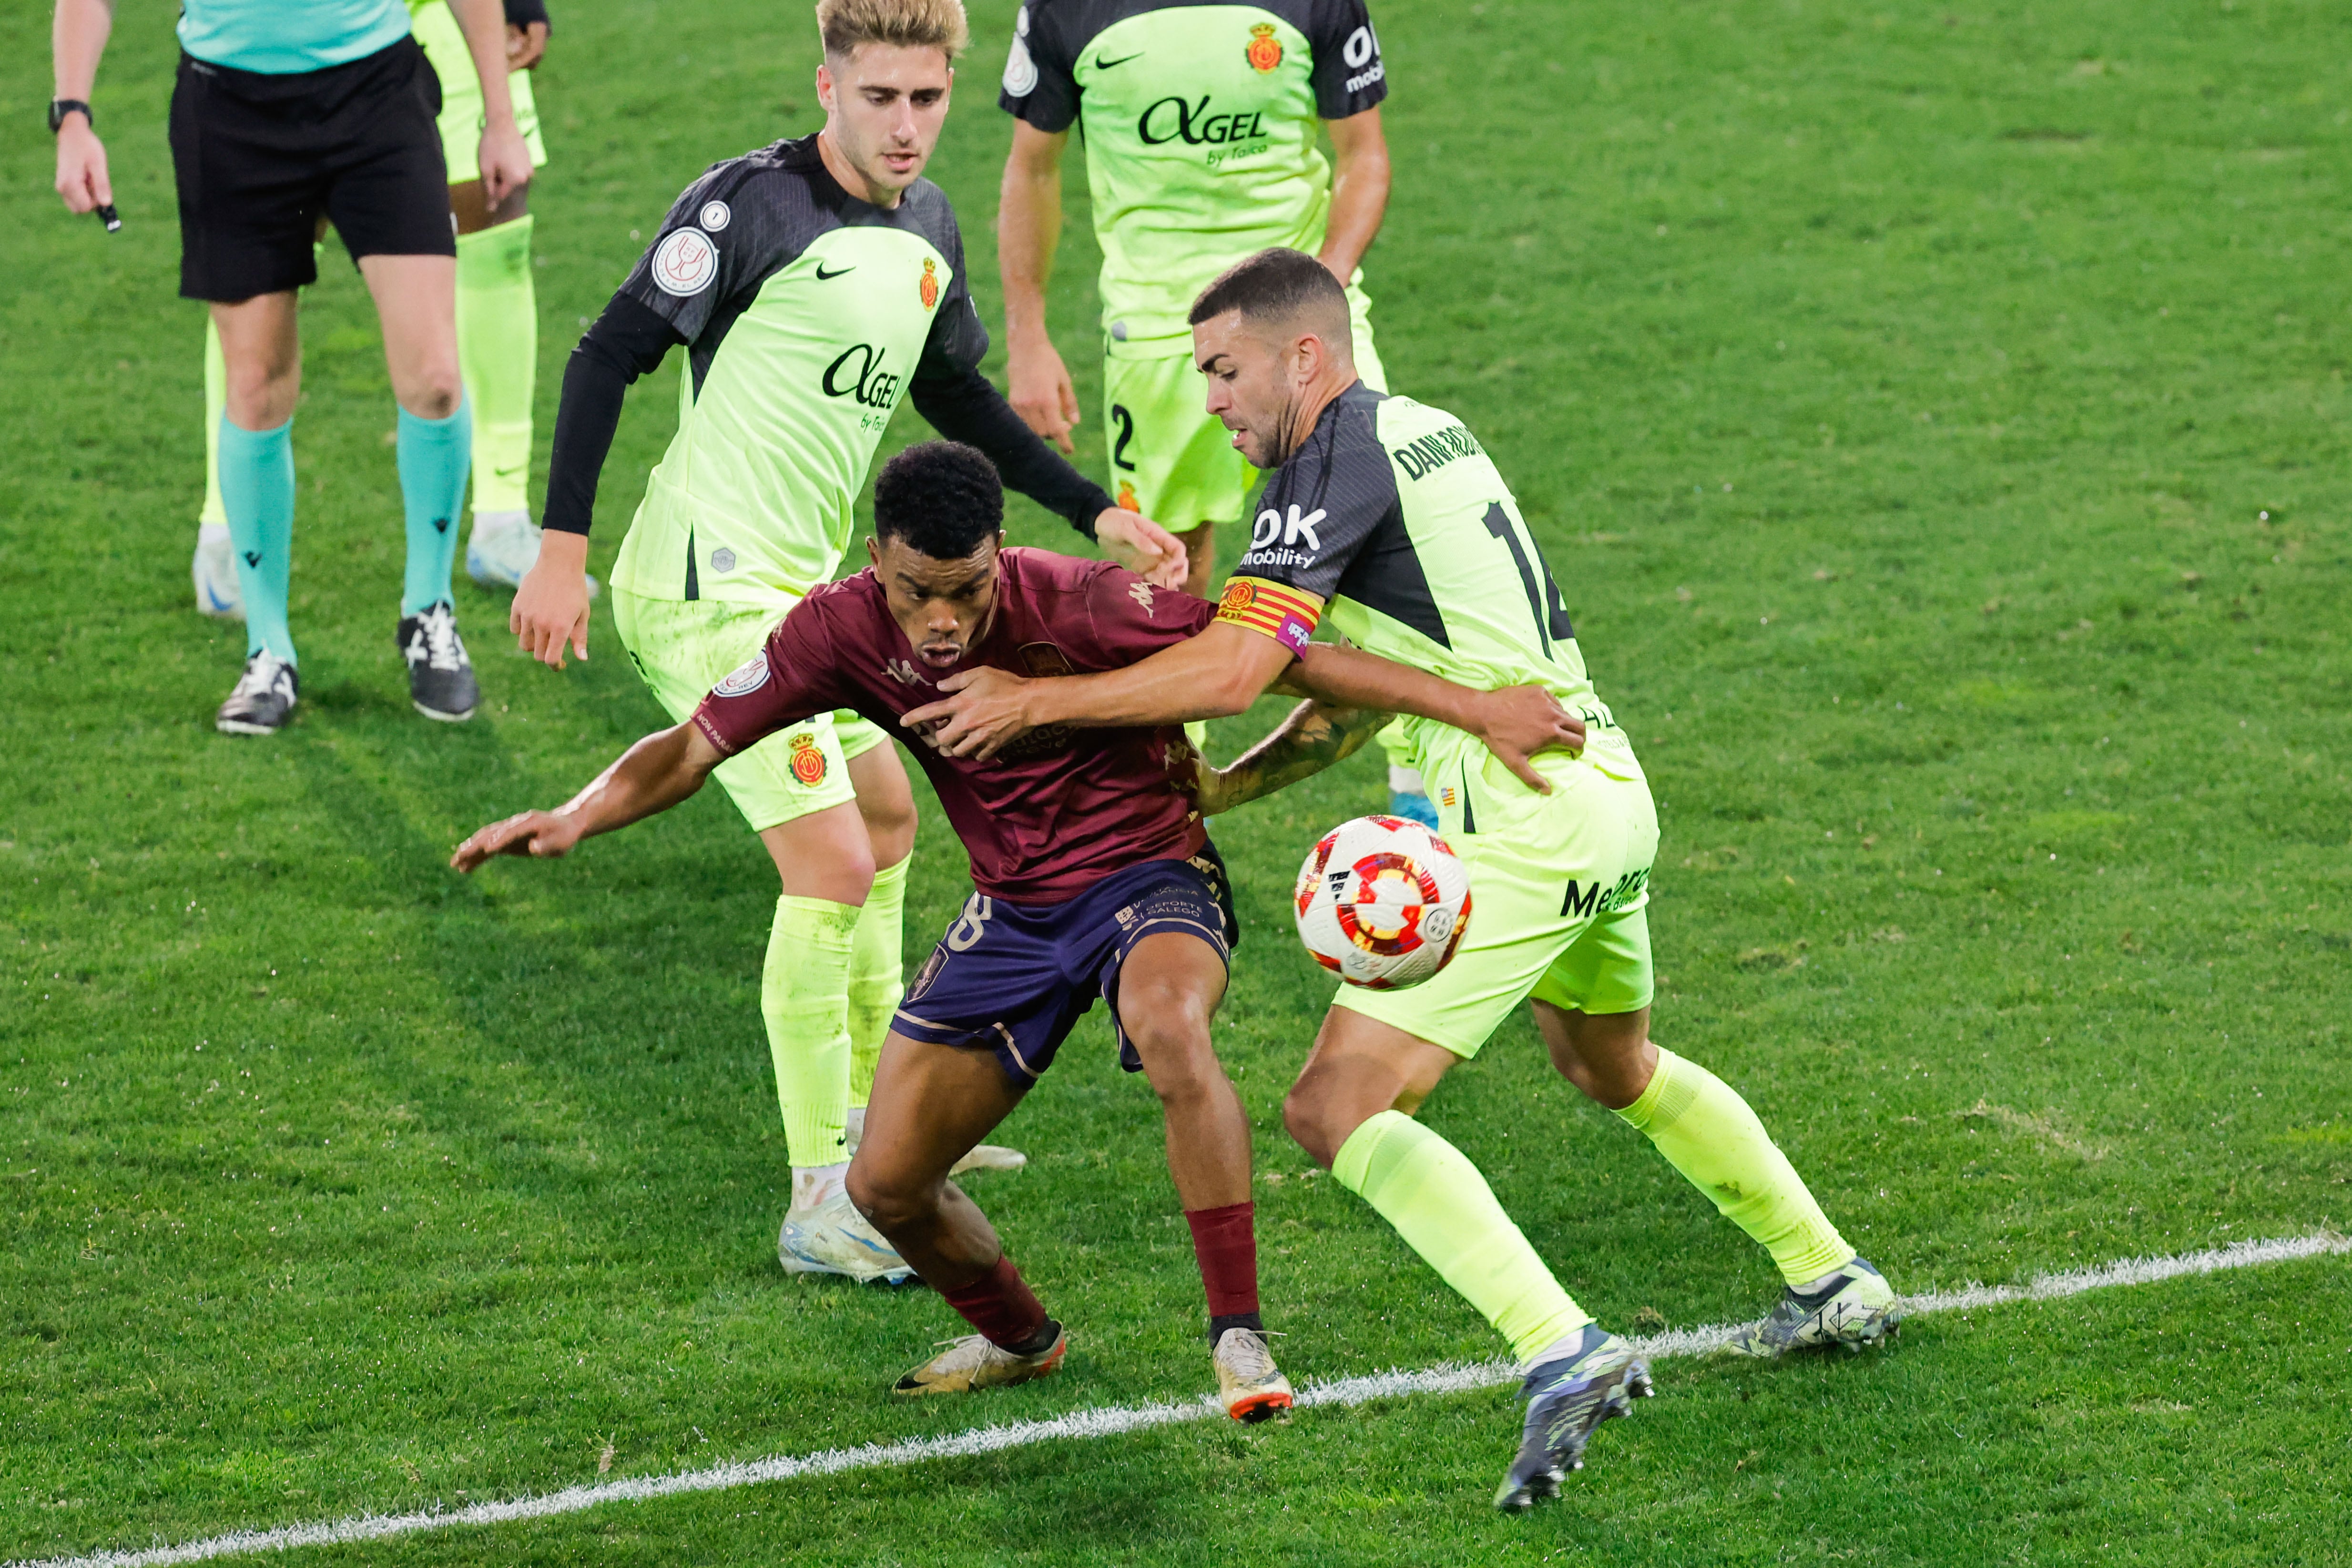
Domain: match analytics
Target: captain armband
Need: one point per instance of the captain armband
(1272, 609)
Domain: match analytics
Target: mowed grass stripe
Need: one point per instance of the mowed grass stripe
(1084, 1424)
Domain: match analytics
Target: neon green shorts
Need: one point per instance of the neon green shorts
(437, 32)
(683, 648)
(1559, 908)
(1171, 458)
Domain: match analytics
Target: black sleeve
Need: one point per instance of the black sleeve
(725, 235)
(626, 341)
(1322, 508)
(1350, 76)
(523, 13)
(1038, 86)
(967, 409)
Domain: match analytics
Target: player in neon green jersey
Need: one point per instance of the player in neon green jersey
(816, 284)
(1392, 516)
(497, 316)
(1200, 126)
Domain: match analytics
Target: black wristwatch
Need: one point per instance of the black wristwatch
(61, 107)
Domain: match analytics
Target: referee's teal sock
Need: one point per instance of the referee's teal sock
(434, 457)
(257, 486)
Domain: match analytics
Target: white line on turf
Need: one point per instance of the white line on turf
(1453, 1378)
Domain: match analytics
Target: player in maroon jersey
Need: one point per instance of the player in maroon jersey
(1092, 873)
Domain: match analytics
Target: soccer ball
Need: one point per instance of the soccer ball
(1382, 903)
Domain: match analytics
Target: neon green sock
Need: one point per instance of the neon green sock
(803, 996)
(216, 404)
(1709, 1135)
(877, 966)
(1443, 1208)
(497, 352)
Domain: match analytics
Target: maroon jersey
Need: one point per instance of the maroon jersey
(1059, 809)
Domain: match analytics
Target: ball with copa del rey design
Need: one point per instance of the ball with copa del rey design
(1382, 903)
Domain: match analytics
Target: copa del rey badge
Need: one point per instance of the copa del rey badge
(685, 263)
(1265, 49)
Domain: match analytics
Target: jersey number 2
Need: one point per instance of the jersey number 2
(1544, 603)
(1125, 423)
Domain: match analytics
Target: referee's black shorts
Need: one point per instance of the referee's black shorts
(260, 158)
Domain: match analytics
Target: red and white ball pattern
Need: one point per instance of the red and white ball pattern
(1382, 903)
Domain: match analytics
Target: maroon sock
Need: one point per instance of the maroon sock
(1225, 1241)
(1000, 1305)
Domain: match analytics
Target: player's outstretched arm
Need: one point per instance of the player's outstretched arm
(1312, 738)
(655, 775)
(1214, 675)
(77, 37)
(1515, 721)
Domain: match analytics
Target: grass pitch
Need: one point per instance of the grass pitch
(1937, 419)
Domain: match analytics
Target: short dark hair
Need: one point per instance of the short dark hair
(1278, 285)
(941, 498)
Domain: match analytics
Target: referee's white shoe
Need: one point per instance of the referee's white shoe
(503, 548)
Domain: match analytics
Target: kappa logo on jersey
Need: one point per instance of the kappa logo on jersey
(1140, 592)
(685, 263)
(1265, 52)
(929, 287)
(1361, 49)
(858, 374)
(1272, 525)
(748, 676)
(902, 671)
(808, 762)
(1179, 120)
(715, 216)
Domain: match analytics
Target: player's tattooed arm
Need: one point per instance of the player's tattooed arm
(1515, 721)
(653, 775)
(1311, 739)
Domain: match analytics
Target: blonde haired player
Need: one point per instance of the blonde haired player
(816, 284)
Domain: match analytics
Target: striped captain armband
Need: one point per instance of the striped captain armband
(1278, 611)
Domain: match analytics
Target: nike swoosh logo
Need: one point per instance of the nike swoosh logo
(824, 276)
(1102, 65)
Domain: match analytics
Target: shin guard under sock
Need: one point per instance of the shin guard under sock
(804, 999)
(1443, 1208)
(497, 352)
(876, 966)
(256, 474)
(433, 454)
(1709, 1135)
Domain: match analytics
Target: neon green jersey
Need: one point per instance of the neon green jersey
(1200, 126)
(808, 315)
(1394, 514)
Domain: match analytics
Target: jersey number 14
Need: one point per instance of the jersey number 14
(1544, 603)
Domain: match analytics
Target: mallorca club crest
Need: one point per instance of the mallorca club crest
(1127, 502)
(1264, 49)
(808, 762)
(1238, 597)
(930, 285)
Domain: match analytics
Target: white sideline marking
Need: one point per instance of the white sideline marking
(1450, 1378)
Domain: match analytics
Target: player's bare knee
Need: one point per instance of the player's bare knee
(1306, 1116)
(889, 1206)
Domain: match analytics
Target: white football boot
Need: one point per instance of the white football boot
(833, 1237)
(503, 548)
(214, 570)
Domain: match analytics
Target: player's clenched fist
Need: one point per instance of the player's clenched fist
(542, 835)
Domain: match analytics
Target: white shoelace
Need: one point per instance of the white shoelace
(439, 628)
(265, 673)
(1245, 1355)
